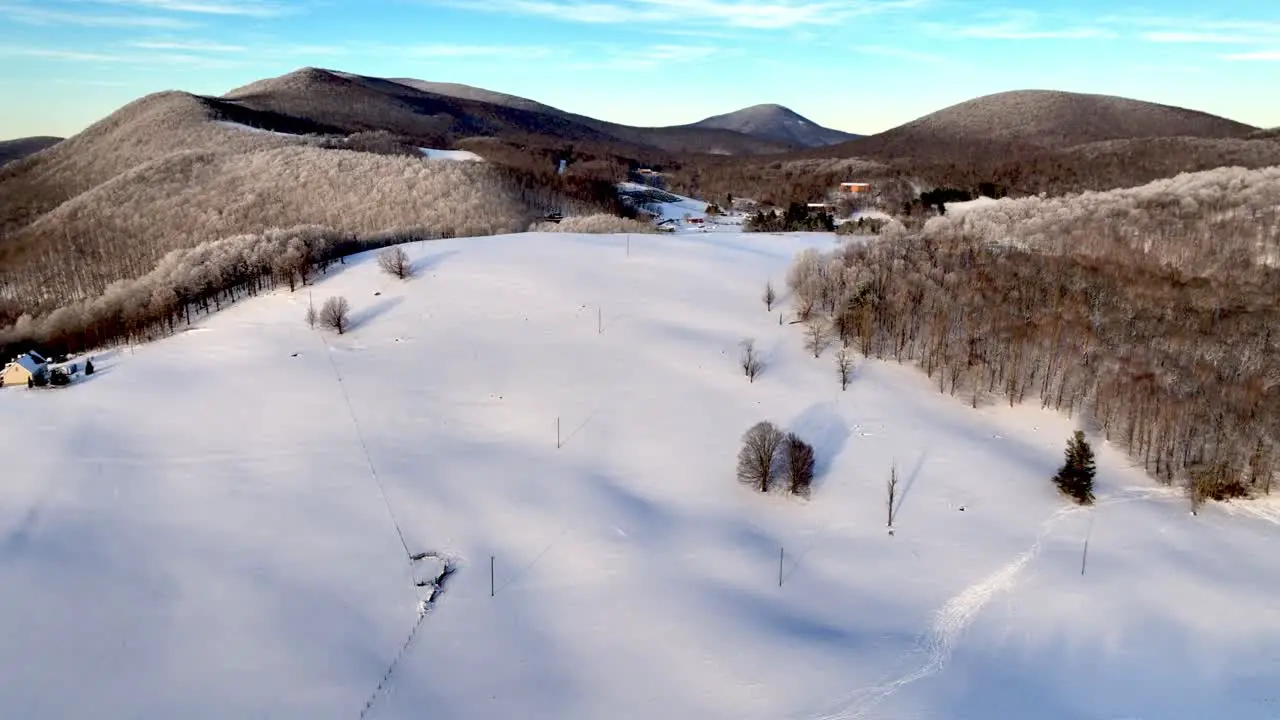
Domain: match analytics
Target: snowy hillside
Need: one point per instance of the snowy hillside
(457, 155)
(679, 212)
(219, 524)
(665, 205)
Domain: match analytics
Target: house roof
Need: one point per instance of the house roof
(28, 362)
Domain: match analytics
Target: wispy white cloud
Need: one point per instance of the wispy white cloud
(1261, 55)
(241, 8)
(610, 57)
(470, 51)
(187, 46)
(31, 15)
(1022, 24)
(893, 51)
(1166, 69)
(1193, 30)
(90, 82)
(292, 50)
(118, 58)
(1019, 31)
(679, 53)
(1176, 36)
(753, 14)
(59, 54)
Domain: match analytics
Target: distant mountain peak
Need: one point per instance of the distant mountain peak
(771, 121)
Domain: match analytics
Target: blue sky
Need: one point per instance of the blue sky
(857, 65)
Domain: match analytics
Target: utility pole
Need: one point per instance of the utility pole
(1084, 556)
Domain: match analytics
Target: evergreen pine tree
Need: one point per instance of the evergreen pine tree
(1075, 478)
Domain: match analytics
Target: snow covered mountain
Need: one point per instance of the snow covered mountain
(224, 523)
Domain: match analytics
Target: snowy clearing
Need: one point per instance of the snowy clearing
(677, 207)
(250, 128)
(978, 202)
(456, 155)
(219, 524)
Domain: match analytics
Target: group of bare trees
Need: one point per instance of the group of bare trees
(597, 224)
(770, 457)
(1180, 368)
(1208, 223)
(750, 359)
(186, 283)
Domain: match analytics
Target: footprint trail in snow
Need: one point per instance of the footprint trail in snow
(955, 616)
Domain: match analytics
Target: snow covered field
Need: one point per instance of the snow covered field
(207, 527)
(250, 128)
(456, 155)
(428, 153)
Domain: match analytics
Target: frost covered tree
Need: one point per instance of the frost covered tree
(394, 261)
(800, 465)
(770, 296)
(815, 336)
(844, 367)
(336, 314)
(1075, 477)
(759, 458)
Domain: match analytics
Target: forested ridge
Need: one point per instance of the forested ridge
(1161, 329)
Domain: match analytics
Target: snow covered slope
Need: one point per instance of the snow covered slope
(217, 525)
(458, 155)
(250, 128)
(666, 205)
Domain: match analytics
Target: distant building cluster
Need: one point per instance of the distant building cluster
(31, 369)
(24, 370)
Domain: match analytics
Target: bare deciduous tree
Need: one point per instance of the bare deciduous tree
(815, 336)
(844, 366)
(758, 458)
(892, 487)
(394, 261)
(336, 314)
(749, 360)
(311, 315)
(770, 296)
(800, 465)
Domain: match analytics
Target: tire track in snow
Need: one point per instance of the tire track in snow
(958, 613)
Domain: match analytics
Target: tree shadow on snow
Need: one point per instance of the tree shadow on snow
(366, 315)
(822, 427)
(431, 262)
(911, 482)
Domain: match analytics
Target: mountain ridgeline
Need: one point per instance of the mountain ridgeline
(779, 124)
(19, 148)
(341, 151)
